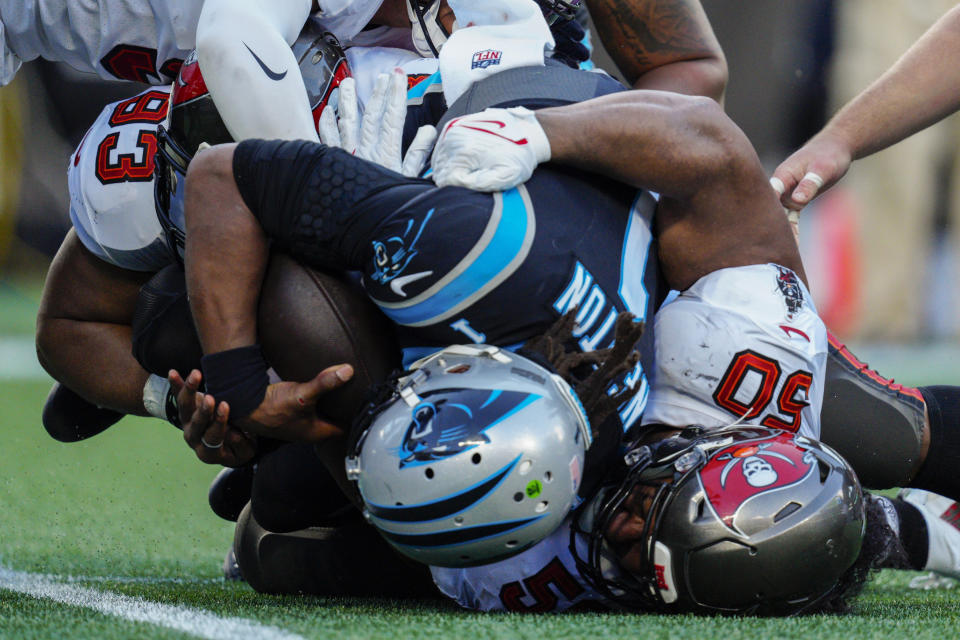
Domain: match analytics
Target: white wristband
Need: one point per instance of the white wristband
(155, 396)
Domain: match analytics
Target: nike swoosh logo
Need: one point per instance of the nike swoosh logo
(397, 284)
(477, 125)
(788, 330)
(273, 75)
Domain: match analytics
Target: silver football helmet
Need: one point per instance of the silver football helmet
(474, 455)
(743, 520)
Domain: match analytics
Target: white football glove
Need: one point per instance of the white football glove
(378, 136)
(343, 131)
(418, 151)
(493, 150)
(381, 130)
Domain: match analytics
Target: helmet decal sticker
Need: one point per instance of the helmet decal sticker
(449, 421)
(739, 472)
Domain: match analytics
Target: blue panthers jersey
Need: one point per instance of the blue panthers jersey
(454, 266)
(449, 265)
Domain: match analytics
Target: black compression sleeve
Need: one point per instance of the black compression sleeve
(913, 534)
(939, 471)
(305, 196)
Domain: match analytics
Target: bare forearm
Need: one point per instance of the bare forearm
(689, 77)
(660, 141)
(711, 183)
(666, 45)
(84, 328)
(94, 360)
(920, 89)
(226, 254)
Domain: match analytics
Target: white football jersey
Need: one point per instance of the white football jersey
(111, 184)
(542, 579)
(741, 343)
(110, 175)
(366, 63)
(141, 40)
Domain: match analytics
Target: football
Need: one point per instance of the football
(309, 320)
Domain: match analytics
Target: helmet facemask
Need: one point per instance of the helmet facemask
(557, 11)
(650, 474)
(169, 182)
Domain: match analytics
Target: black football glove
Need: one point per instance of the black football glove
(569, 48)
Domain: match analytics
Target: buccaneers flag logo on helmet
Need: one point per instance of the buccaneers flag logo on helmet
(740, 472)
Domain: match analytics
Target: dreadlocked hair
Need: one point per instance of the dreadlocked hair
(881, 548)
(591, 373)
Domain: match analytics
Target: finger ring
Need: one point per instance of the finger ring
(210, 446)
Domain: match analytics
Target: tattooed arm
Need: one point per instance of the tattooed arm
(662, 44)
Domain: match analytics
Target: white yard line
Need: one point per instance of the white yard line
(196, 622)
(148, 580)
(18, 359)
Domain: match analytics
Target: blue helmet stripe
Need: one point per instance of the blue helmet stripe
(530, 399)
(453, 537)
(427, 511)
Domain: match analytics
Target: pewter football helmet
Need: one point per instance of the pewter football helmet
(743, 520)
(474, 455)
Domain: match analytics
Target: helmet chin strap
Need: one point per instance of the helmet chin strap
(427, 32)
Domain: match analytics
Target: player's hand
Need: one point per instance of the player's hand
(418, 151)
(811, 170)
(568, 45)
(288, 410)
(493, 150)
(378, 136)
(381, 129)
(205, 426)
(341, 127)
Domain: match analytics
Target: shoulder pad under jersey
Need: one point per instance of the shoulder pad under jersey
(143, 41)
(110, 177)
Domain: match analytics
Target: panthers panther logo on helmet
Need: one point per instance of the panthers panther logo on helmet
(449, 421)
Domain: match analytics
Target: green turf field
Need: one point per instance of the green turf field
(112, 538)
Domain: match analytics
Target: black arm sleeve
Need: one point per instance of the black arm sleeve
(317, 203)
